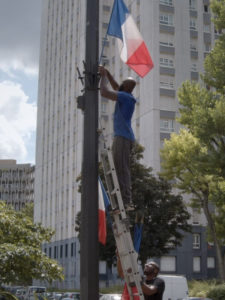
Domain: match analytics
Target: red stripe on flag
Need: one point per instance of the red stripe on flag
(141, 61)
(101, 226)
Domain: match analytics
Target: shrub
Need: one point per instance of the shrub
(217, 292)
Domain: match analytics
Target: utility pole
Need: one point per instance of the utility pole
(89, 274)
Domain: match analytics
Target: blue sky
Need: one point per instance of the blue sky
(19, 58)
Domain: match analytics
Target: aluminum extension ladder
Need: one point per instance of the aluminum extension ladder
(121, 230)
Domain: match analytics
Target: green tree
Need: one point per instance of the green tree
(165, 218)
(195, 158)
(21, 258)
(184, 159)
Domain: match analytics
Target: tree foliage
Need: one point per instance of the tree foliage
(21, 258)
(164, 215)
(164, 212)
(195, 158)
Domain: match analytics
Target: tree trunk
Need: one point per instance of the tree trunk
(211, 224)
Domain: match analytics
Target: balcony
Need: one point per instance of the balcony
(167, 71)
(167, 49)
(167, 92)
(166, 8)
(166, 28)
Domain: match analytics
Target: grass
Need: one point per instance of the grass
(200, 288)
(117, 289)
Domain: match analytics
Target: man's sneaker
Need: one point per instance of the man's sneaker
(129, 206)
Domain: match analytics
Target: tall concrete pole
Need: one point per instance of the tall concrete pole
(89, 279)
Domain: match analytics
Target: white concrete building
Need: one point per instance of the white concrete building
(178, 33)
(16, 183)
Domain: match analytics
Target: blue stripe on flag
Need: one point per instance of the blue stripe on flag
(118, 17)
(105, 196)
(137, 236)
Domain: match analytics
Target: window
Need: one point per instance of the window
(105, 25)
(207, 47)
(104, 107)
(166, 2)
(66, 250)
(167, 83)
(102, 267)
(193, 25)
(206, 8)
(72, 249)
(61, 251)
(192, 4)
(166, 19)
(55, 252)
(50, 252)
(166, 62)
(196, 241)
(217, 31)
(211, 262)
(206, 28)
(167, 44)
(195, 216)
(193, 47)
(196, 264)
(194, 68)
(106, 8)
(166, 125)
(168, 263)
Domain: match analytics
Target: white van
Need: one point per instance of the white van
(176, 287)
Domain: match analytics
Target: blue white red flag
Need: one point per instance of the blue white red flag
(103, 203)
(133, 50)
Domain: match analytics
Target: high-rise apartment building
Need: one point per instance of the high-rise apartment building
(179, 34)
(16, 183)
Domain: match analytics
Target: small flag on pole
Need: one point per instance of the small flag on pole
(103, 203)
(133, 50)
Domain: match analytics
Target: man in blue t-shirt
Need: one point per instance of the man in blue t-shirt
(123, 134)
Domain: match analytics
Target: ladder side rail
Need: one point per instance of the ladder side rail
(128, 255)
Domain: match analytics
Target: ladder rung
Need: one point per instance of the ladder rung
(113, 192)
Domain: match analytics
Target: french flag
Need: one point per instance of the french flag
(133, 50)
(103, 203)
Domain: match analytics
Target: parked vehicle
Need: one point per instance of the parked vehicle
(110, 297)
(35, 291)
(21, 293)
(69, 296)
(198, 298)
(176, 287)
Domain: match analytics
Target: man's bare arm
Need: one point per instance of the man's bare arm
(105, 92)
(112, 81)
(148, 289)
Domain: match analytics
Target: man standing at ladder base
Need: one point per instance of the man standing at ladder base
(123, 134)
(153, 287)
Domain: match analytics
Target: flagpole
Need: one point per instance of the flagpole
(103, 47)
(89, 252)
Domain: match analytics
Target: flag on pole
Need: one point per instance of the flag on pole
(103, 203)
(133, 50)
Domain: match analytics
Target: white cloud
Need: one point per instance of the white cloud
(20, 35)
(10, 66)
(17, 121)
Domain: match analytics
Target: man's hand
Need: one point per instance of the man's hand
(102, 70)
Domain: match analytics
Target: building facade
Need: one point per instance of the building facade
(179, 34)
(16, 183)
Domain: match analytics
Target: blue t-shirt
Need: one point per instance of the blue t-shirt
(123, 114)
